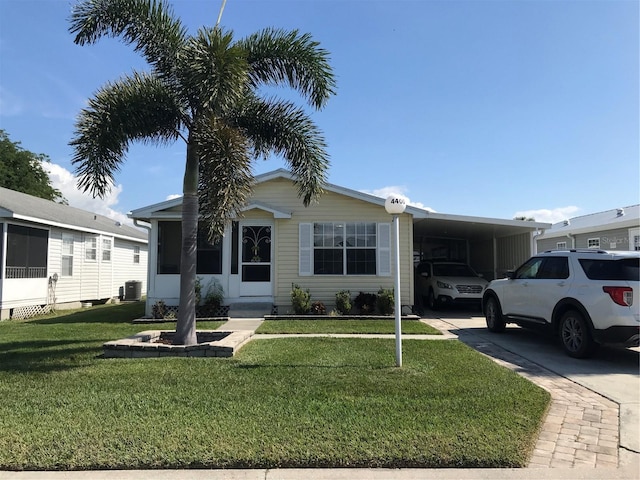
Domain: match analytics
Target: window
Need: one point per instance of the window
(555, 268)
(561, 245)
(91, 249)
(106, 249)
(67, 255)
(136, 254)
(344, 248)
(529, 269)
(26, 252)
(170, 245)
(593, 243)
(636, 242)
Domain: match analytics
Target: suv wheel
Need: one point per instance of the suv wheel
(493, 315)
(431, 300)
(575, 336)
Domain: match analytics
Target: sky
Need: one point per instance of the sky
(488, 108)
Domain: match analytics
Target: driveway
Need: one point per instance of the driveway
(613, 373)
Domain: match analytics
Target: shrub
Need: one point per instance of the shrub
(214, 295)
(159, 309)
(385, 301)
(365, 303)
(318, 308)
(300, 299)
(343, 302)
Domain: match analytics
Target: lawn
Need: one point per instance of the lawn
(287, 402)
(346, 326)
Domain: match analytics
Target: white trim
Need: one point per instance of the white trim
(384, 250)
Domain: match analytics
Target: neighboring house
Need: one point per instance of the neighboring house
(344, 242)
(53, 255)
(616, 229)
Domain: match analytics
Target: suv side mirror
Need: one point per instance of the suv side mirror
(511, 274)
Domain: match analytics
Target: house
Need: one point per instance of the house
(343, 242)
(616, 229)
(54, 255)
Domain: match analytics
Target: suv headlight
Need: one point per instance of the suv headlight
(443, 285)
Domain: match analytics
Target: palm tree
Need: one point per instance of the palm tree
(205, 90)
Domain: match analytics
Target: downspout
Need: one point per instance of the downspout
(150, 285)
(573, 240)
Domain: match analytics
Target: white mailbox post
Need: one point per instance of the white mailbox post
(395, 206)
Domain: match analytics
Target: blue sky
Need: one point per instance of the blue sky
(479, 108)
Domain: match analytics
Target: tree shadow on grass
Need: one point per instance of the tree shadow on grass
(101, 314)
(44, 356)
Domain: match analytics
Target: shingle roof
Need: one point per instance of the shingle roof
(25, 207)
(606, 220)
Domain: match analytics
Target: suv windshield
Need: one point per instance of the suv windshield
(600, 269)
(452, 270)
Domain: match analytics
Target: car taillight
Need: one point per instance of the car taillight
(621, 295)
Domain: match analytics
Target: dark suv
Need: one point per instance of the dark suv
(585, 297)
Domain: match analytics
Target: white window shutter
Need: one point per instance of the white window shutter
(305, 250)
(384, 249)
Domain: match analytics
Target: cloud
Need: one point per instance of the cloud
(173, 195)
(384, 192)
(66, 182)
(553, 215)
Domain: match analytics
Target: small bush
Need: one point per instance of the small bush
(159, 309)
(215, 294)
(318, 308)
(300, 299)
(365, 303)
(385, 301)
(343, 302)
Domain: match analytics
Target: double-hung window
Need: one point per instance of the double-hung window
(67, 255)
(344, 248)
(91, 249)
(106, 249)
(136, 254)
(593, 242)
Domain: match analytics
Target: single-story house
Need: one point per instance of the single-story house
(616, 229)
(57, 256)
(344, 242)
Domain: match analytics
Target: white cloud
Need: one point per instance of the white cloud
(173, 195)
(553, 215)
(66, 182)
(384, 192)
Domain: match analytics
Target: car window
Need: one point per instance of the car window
(529, 269)
(601, 269)
(554, 267)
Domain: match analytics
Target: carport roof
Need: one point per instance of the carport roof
(440, 225)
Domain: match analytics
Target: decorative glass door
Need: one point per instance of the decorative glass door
(255, 260)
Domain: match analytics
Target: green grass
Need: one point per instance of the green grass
(346, 326)
(279, 403)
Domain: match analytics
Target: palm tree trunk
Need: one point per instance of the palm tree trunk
(186, 324)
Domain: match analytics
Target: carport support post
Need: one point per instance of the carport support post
(395, 205)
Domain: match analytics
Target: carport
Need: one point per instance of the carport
(491, 246)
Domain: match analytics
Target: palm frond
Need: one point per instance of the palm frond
(149, 25)
(213, 72)
(277, 56)
(226, 178)
(135, 108)
(282, 128)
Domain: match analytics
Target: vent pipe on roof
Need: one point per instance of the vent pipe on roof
(620, 212)
(567, 223)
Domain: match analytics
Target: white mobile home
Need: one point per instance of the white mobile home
(53, 255)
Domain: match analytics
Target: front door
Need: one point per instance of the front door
(256, 252)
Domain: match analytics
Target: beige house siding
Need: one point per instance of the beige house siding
(332, 207)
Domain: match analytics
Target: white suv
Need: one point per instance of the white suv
(586, 297)
(441, 283)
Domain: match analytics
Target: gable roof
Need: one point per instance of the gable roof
(160, 210)
(20, 206)
(627, 217)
